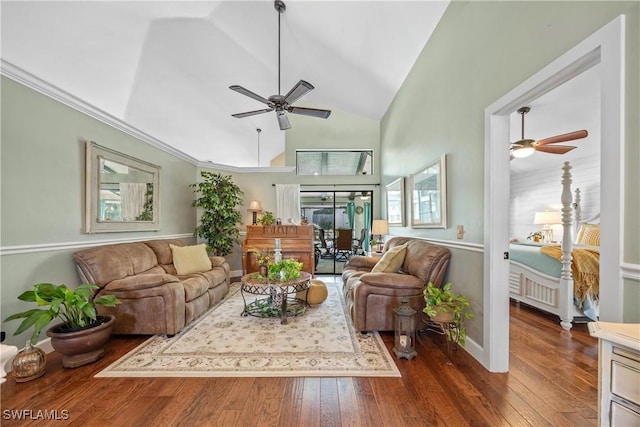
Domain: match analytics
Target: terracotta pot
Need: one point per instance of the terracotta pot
(84, 346)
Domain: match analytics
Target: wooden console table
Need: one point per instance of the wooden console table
(296, 241)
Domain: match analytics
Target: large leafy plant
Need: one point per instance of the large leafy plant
(219, 198)
(75, 307)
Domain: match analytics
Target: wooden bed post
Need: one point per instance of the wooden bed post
(565, 298)
(578, 212)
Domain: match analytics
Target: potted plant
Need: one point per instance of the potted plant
(444, 306)
(285, 270)
(219, 199)
(82, 333)
(536, 236)
(263, 258)
(267, 218)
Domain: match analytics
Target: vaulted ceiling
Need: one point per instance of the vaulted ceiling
(165, 67)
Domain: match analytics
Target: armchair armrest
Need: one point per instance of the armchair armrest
(360, 261)
(217, 261)
(395, 281)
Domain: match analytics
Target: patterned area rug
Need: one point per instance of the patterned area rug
(222, 343)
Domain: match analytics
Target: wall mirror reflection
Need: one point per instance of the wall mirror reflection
(395, 202)
(429, 196)
(334, 162)
(122, 193)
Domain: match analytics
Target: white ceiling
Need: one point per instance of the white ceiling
(572, 106)
(164, 67)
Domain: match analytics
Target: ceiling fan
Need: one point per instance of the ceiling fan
(526, 147)
(282, 104)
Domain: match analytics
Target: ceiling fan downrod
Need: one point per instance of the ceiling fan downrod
(280, 7)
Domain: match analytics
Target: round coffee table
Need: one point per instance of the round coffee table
(274, 299)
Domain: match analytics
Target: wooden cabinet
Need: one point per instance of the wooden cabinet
(618, 373)
(296, 241)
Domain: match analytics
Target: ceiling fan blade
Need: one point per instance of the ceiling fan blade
(579, 134)
(313, 112)
(555, 149)
(251, 113)
(283, 120)
(248, 93)
(298, 91)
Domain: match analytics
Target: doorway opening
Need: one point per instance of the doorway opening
(606, 48)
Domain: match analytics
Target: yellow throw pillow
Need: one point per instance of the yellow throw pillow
(391, 261)
(190, 259)
(589, 234)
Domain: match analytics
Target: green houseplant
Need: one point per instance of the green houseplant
(219, 197)
(267, 218)
(443, 305)
(285, 270)
(81, 334)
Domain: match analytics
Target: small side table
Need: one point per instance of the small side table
(449, 330)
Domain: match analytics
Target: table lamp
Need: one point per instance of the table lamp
(255, 208)
(380, 228)
(547, 218)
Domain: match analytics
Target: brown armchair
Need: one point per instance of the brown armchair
(372, 296)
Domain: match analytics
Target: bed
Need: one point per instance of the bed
(560, 279)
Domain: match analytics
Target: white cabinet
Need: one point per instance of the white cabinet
(618, 373)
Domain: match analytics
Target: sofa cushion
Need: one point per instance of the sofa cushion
(190, 259)
(162, 250)
(391, 261)
(103, 264)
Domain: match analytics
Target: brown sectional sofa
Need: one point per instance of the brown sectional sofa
(371, 297)
(154, 299)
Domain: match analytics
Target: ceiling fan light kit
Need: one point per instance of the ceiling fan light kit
(526, 147)
(282, 104)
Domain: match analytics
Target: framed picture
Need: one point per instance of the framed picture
(429, 195)
(395, 203)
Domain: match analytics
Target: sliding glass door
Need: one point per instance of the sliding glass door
(342, 220)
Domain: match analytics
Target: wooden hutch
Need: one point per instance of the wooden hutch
(296, 241)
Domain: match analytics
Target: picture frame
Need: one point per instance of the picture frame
(429, 195)
(395, 203)
(122, 193)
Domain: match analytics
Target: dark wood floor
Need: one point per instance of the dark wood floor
(552, 382)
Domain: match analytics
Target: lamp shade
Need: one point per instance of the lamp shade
(547, 217)
(254, 206)
(380, 226)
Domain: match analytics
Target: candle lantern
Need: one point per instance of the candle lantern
(404, 320)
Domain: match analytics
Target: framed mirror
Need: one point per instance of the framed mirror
(395, 203)
(122, 193)
(429, 195)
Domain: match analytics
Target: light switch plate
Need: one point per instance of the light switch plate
(460, 234)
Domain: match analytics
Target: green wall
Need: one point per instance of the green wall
(478, 53)
(42, 183)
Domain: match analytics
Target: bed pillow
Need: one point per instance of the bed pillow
(589, 234)
(190, 259)
(391, 261)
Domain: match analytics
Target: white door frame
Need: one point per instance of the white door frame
(605, 47)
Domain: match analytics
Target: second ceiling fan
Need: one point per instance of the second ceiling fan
(526, 147)
(282, 104)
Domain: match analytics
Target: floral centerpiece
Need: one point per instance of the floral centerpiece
(264, 259)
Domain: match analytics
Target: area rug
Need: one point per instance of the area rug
(222, 343)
